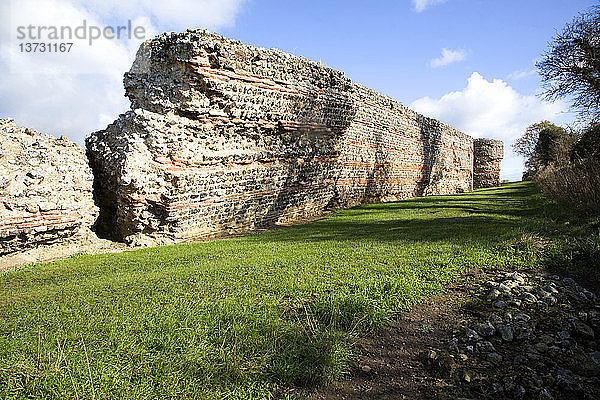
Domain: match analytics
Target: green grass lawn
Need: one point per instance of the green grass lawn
(250, 317)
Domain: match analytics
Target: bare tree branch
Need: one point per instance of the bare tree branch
(571, 67)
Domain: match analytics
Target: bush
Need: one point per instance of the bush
(544, 143)
(588, 145)
(576, 185)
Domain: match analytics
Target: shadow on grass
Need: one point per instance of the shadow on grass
(580, 257)
(454, 229)
(479, 216)
(306, 359)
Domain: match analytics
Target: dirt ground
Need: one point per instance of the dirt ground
(390, 363)
(389, 366)
(85, 242)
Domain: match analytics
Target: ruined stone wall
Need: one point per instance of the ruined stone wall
(488, 154)
(45, 189)
(225, 138)
(390, 152)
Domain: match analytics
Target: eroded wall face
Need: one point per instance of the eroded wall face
(45, 189)
(390, 152)
(488, 155)
(226, 138)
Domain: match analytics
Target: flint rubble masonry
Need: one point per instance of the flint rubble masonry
(226, 138)
(488, 154)
(45, 189)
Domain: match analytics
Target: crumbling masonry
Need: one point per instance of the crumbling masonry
(488, 154)
(45, 189)
(225, 138)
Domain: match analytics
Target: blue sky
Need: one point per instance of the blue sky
(387, 44)
(469, 63)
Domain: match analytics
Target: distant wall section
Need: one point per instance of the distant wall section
(488, 154)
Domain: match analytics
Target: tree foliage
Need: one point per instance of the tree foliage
(544, 143)
(525, 145)
(554, 146)
(588, 145)
(571, 67)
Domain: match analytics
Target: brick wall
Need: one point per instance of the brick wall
(225, 138)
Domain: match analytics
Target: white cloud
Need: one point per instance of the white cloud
(448, 57)
(170, 14)
(77, 93)
(521, 74)
(422, 5)
(494, 110)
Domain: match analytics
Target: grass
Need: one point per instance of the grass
(251, 317)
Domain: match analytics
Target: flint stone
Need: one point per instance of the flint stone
(485, 329)
(506, 332)
(493, 294)
(26, 194)
(471, 335)
(529, 298)
(582, 329)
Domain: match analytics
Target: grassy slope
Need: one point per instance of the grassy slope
(249, 316)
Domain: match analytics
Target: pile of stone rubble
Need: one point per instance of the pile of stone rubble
(535, 336)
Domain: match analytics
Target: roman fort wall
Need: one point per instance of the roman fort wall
(225, 138)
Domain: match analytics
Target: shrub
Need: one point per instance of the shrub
(576, 185)
(588, 145)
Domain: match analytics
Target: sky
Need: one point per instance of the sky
(468, 63)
